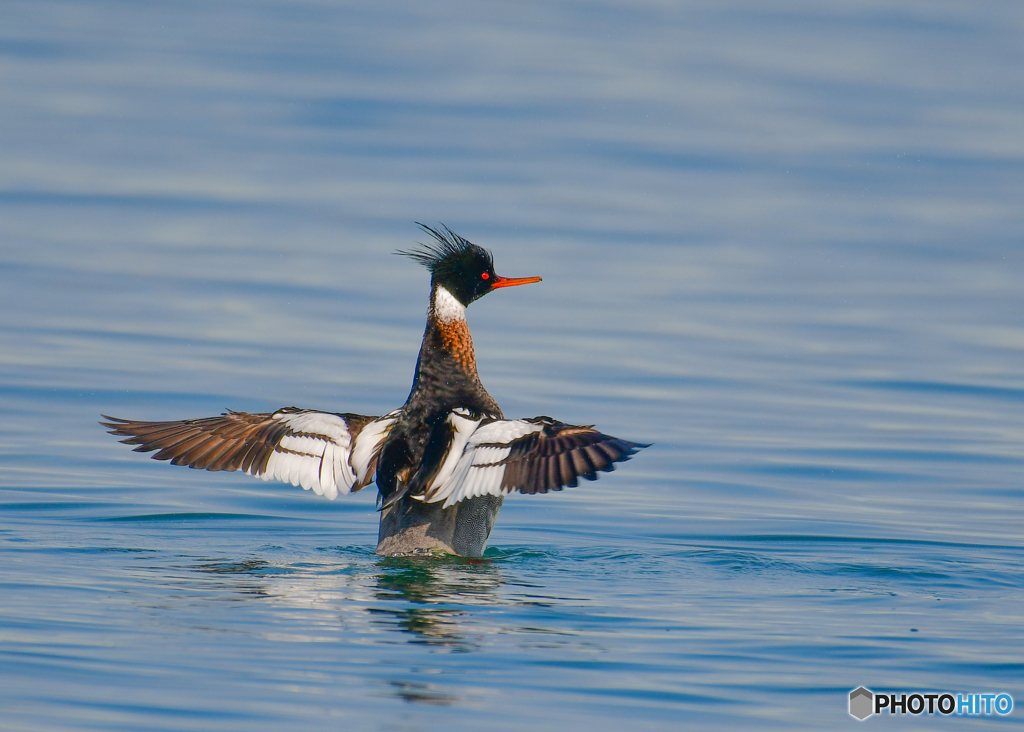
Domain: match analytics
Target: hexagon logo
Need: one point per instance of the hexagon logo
(862, 703)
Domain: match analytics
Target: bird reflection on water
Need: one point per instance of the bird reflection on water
(428, 600)
(426, 597)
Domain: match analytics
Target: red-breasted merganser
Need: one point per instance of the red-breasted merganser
(443, 462)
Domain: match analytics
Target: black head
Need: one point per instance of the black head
(460, 266)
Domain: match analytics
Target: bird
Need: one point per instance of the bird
(443, 462)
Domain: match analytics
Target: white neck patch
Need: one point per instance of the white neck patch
(447, 307)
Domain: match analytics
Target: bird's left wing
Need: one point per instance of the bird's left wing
(526, 455)
(326, 452)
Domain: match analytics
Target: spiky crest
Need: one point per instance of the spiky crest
(446, 244)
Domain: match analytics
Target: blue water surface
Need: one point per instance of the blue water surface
(782, 243)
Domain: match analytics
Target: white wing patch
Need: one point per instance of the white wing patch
(475, 469)
(317, 452)
(367, 446)
(465, 426)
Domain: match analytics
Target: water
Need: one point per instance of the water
(782, 244)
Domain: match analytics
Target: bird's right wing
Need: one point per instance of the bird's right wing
(326, 452)
(499, 456)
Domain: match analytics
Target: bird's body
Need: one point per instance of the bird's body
(443, 462)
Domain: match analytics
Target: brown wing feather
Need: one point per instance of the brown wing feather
(559, 455)
(232, 441)
(210, 443)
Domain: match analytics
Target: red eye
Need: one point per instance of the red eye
(485, 276)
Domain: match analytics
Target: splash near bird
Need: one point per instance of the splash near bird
(443, 462)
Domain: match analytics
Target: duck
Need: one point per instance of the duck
(443, 462)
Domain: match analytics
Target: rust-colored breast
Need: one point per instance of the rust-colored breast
(459, 343)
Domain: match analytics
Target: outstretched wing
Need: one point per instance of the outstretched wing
(537, 455)
(328, 453)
